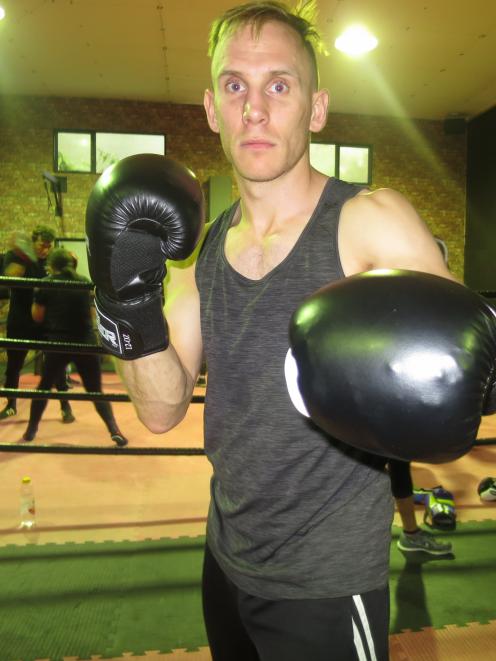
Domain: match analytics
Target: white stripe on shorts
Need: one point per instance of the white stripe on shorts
(357, 639)
(362, 656)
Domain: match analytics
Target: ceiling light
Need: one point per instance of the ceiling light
(356, 40)
(2, 13)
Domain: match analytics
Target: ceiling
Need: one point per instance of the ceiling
(436, 58)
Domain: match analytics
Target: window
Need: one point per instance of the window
(323, 158)
(93, 151)
(73, 151)
(351, 163)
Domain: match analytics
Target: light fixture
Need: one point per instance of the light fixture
(356, 40)
(2, 13)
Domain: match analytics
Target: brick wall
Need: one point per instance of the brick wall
(416, 158)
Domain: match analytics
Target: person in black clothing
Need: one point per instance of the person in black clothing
(26, 259)
(66, 316)
(412, 538)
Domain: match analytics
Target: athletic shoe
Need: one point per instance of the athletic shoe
(439, 505)
(487, 489)
(7, 412)
(68, 417)
(422, 540)
(119, 440)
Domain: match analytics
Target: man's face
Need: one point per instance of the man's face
(263, 103)
(42, 248)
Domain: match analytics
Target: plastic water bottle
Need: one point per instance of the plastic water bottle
(28, 510)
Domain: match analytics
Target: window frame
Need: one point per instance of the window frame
(93, 143)
(337, 158)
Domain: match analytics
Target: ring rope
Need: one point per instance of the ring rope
(46, 345)
(26, 393)
(485, 441)
(96, 449)
(41, 283)
(91, 450)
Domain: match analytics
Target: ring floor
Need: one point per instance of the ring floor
(83, 498)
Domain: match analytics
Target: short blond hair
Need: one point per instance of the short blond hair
(301, 19)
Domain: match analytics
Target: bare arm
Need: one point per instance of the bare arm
(381, 229)
(161, 385)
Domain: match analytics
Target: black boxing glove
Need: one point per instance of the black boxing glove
(397, 363)
(143, 210)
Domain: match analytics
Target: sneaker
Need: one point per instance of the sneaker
(487, 489)
(119, 440)
(68, 417)
(7, 412)
(422, 540)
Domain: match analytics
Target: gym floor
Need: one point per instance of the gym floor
(96, 498)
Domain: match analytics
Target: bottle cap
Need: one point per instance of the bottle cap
(26, 480)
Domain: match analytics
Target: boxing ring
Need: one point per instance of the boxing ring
(80, 348)
(75, 348)
(108, 498)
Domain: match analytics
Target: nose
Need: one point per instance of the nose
(254, 110)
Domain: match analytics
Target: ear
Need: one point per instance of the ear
(320, 103)
(209, 105)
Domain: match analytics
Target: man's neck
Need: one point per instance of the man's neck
(267, 206)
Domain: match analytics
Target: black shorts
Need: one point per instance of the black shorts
(241, 627)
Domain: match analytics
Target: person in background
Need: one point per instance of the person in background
(70, 380)
(66, 316)
(412, 538)
(26, 259)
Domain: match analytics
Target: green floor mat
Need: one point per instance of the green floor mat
(451, 590)
(110, 598)
(106, 598)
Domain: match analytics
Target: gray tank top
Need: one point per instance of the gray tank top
(293, 512)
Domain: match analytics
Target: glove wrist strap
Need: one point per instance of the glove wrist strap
(130, 330)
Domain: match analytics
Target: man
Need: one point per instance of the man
(296, 562)
(26, 259)
(264, 103)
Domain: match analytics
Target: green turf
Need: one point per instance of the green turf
(114, 597)
(454, 590)
(105, 598)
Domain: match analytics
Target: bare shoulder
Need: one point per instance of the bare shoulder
(383, 205)
(382, 229)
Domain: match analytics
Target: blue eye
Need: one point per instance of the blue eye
(279, 87)
(234, 86)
